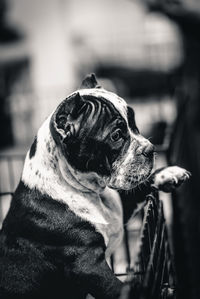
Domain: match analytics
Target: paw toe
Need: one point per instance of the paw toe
(175, 180)
(171, 177)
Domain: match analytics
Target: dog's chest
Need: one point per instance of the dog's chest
(104, 213)
(114, 231)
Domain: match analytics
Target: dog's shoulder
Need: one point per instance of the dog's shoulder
(40, 218)
(40, 235)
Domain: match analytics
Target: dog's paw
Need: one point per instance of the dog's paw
(169, 178)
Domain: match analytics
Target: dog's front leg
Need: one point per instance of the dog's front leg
(94, 276)
(168, 178)
(165, 179)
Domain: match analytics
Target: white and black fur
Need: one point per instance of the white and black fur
(66, 217)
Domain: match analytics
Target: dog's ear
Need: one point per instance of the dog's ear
(131, 119)
(90, 82)
(66, 117)
(76, 106)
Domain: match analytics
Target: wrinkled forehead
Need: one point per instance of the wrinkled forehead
(117, 102)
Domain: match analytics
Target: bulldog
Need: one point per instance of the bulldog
(65, 217)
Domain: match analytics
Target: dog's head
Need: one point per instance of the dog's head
(98, 138)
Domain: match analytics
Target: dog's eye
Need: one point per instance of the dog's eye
(117, 135)
(61, 122)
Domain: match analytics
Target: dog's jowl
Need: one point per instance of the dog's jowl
(65, 217)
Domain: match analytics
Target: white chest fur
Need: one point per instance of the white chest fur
(103, 212)
(114, 216)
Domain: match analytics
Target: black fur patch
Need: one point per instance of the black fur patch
(46, 251)
(33, 148)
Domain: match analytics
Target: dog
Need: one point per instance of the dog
(66, 215)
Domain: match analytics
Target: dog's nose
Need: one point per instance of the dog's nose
(148, 150)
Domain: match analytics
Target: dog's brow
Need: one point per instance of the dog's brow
(107, 106)
(110, 97)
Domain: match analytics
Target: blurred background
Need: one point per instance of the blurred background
(147, 51)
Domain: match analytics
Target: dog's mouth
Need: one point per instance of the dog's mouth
(144, 178)
(129, 176)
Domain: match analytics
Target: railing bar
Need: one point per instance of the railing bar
(11, 173)
(126, 241)
(13, 156)
(122, 274)
(146, 279)
(112, 262)
(165, 267)
(160, 261)
(6, 193)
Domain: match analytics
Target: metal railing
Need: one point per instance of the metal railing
(10, 171)
(153, 275)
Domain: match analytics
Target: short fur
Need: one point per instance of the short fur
(64, 220)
